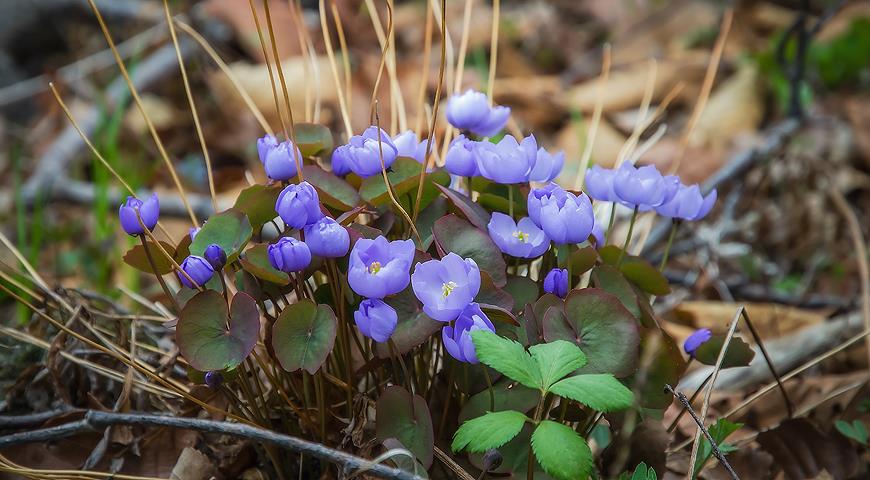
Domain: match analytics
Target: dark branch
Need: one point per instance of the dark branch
(96, 421)
(716, 452)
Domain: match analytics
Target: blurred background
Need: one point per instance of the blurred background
(784, 132)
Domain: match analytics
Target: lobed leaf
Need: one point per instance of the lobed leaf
(210, 338)
(556, 359)
(138, 259)
(454, 234)
(489, 431)
(230, 229)
(506, 356)
(406, 417)
(563, 454)
(600, 391)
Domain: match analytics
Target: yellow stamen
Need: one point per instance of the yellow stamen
(447, 288)
(375, 267)
(522, 236)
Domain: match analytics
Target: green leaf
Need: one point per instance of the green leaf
(647, 277)
(476, 214)
(454, 234)
(255, 261)
(406, 418)
(739, 353)
(599, 324)
(258, 203)
(230, 230)
(855, 430)
(642, 472)
(405, 179)
(210, 338)
(506, 356)
(498, 203)
(312, 139)
(426, 219)
(719, 431)
(332, 190)
(666, 368)
(489, 431)
(599, 391)
(303, 336)
(138, 259)
(499, 314)
(556, 359)
(582, 260)
(563, 454)
(493, 295)
(609, 279)
(524, 291)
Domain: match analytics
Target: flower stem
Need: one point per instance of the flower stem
(157, 274)
(511, 200)
(627, 237)
(610, 222)
(489, 387)
(674, 225)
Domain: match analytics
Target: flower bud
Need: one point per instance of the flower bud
(215, 256)
(198, 269)
(148, 211)
(460, 158)
(298, 205)
(213, 379)
(289, 255)
(471, 111)
(492, 460)
(556, 282)
(192, 232)
(375, 319)
(326, 238)
(457, 338)
(696, 339)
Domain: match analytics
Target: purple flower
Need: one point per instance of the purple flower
(460, 157)
(215, 256)
(457, 338)
(280, 162)
(264, 145)
(446, 286)
(696, 339)
(298, 205)
(547, 166)
(522, 239)
(507, 161)
(289, 255)
(149, 211)
(192, 232)
(598, 234)
(688, 204)
(471, 111)
(375, 319)
(340, 162)
(326, 238)
(407, 145)
(642, 187)
(556, 282)
(563, 216)
(198, 269)
(362, 154)
(213, 379)
(599, 183)
(378, 267)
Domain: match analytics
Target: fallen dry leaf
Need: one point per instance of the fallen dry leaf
(769, 319)
(734, 108)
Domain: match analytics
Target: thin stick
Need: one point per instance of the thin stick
(427, 55)
(463, 46)
(301, 34)
(249, 102)
(388, 52)
(387, 180)
(95, 420)
(596, 119)
(706, 86)
(342, 103)
(758, 341)
(436, 103)
(706, 405)
(345, 57)
(192, 104)
(715, 448)
(493, 49)
(135, 94)
(860, 247)
(640, 124)
(269, 68)
(299, 174)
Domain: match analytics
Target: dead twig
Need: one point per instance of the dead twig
(96, 421)
(716, 452)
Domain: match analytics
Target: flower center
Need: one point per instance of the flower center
(522, 236)
(447, 288)
(374, 267)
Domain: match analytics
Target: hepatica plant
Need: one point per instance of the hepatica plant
(368, 274)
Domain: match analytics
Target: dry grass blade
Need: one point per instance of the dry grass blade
(493, 49)
(269, 68)
(463, 46)
(592, 131)
(342, 101)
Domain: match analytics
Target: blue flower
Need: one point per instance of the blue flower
(644, 187)
(556, 282)
(198, 269)
(279, 159)
(471, 111)
(215, 256)
(362, 154)
(375, 319)
(289, 255)
(326, 238)
(508, 161)
(547, 166)
(599, 183)
(340, 160)
(563, 216)
(460, 157)
(696, 339)
(688, 204)
(522, 239)
(446, 286)
(407, 145)
(378, 268)
(457, 338)
(149, 211)
(298, 205)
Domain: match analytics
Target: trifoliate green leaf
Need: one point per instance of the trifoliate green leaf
(556, 359)
(506, 356)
